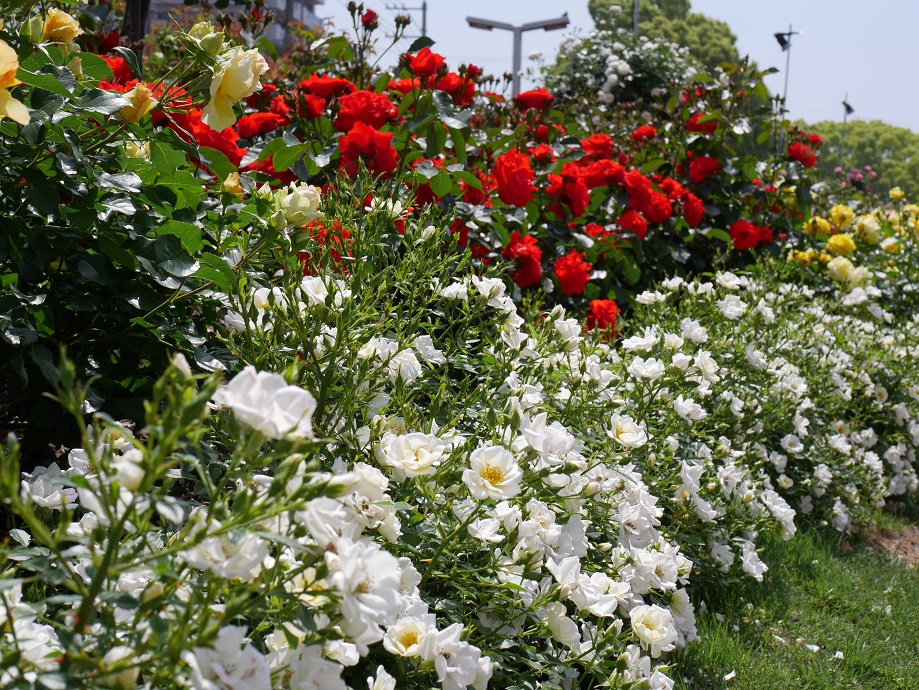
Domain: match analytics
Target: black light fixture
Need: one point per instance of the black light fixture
(849, 108)
(783, 39)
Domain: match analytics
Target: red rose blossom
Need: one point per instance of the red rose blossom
(424, 63)
(527, 255)
(702, 167)
(326, 87)
(693, 209)
(744, 235)
(643, 133)
(370, 145)
(537, 99)
(603, 315)
(252, 125)
(371, 108)
(693, 125)
(634, 222)
(573, 272)
(803, 154)
(514, 178)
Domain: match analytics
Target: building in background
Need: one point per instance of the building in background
(302, 11)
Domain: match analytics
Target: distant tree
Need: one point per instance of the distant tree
(710, 41)
(893, 152)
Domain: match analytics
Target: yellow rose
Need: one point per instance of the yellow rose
(868, 229)
(232, 184)
(60, 27)
(840, 269)
(891, 245)
(9, 106)
(816, 225)
(141, 102)
(841, 244)
(236, 77)
(896, 194)
(841, 215)
(137, 150)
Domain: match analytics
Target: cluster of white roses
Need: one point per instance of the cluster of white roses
(468, 485)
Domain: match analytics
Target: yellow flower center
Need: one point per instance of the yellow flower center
(493, 475)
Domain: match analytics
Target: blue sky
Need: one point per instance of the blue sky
(868, 49)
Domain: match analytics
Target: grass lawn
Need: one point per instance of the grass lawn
(838, 595)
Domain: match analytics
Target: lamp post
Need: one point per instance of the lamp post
(784, 40)
(546, 24)
(848, 110)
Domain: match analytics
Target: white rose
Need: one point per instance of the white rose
(654, 627)
(265, 402)
(415, 454)
(494, 473)
(299, 203)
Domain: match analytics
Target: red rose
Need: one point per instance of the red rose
(643, 133)
(310, 106)
(528, 257)
(326, 87)
(279, 106)
(405, 86)
(573, 272)
(514, 178)
(252, 125)
(259, 98)
(119, 68)
(369, 19)
(816, 140)
(766, 236)
(461, 89)
(634, 222)
(543, 153)
(695, 126)
(744, 235)
(603, 315)
(693, 209)
(478, 197)
(370, 145)
(369, 107)
(538, 99)
(425, 63)
(702, 167)
(598, 146)
(672, 188)
(473, 72)
(570, 190)
(803, 154)
(188, 126)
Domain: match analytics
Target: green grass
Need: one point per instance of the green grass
(860, 603)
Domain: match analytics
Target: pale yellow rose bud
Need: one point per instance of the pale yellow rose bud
(233, 185)
(33, 29)
(60, 27)
(840, 269)
(200, 30)
(141, 102)
(137, 150)
(896, 194)
(76, 66)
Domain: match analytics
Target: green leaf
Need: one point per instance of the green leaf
(188, 234)
(286, 157)
(441, 183)
(104, 102)
(41, 355)
(130, 57)
(165, 158)
(459, 144)
(125, 182)
(443, 104)
(217, 162)
(47, 82)
(215, 269)
(421, 43)
(469, 179)
(95, 67)
(270, 148)
(436, 138)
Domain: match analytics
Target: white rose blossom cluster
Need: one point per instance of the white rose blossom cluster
(438, 478)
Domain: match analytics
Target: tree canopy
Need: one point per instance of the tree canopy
(893, 152)
(709, 40)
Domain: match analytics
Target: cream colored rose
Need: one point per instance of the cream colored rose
(60, 27)
(840, 269)
(233, 185)
(141, 102)
(654, 627)
(299, 203)
(9, 106)
(235, 77)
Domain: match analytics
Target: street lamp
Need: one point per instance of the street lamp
(845, 116)
(784, 40)
(546, 24)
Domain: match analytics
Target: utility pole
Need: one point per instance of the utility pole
(635, 19)
(848, 110)
(546, 24)
(424, 14)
